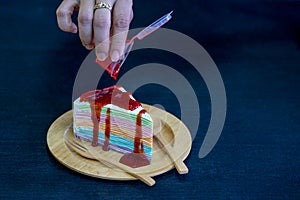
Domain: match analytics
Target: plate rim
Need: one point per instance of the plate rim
(52, 147)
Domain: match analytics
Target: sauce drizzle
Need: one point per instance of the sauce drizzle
(113, 95)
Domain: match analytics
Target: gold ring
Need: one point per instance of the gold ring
(102, 5)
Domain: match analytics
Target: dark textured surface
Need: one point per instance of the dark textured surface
(255, 44)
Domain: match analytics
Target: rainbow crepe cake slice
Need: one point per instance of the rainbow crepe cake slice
(112, 118)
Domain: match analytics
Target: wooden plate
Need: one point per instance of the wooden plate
(174, 131)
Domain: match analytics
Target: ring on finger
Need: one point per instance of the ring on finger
(101, 5)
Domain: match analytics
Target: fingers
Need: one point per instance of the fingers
(64, 13)
(85, 23)
(122, 16)
(102, 23)
(95, 26)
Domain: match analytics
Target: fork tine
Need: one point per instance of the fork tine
(80, 145)
(78, 150)
(76, 145)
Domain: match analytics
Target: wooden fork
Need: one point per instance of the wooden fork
(179, 164)
(90, 152)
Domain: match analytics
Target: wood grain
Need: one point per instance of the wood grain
(175, 133)
(93, 153)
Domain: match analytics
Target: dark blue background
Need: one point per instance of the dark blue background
(256, 46)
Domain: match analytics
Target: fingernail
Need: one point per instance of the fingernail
(74, 30)
(102, 56)
(89, 46)
(114, 56)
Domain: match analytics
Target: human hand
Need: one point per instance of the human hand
(96, 26)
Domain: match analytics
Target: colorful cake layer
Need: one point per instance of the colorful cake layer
(112, 118)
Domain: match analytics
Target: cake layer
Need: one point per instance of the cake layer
(119, 129)
(124, 125)
(118, 143)
(113, 119)
(85, 108)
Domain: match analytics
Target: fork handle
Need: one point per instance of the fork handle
(181, 167)
(143, 177)
(146, 179)
(179, 164)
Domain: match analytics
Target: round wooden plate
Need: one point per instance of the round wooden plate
(173, 130)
